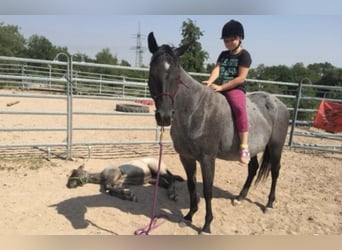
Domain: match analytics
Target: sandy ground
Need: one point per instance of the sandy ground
(35, 200)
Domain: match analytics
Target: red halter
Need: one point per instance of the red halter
(172, 96)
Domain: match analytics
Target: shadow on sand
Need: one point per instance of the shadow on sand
(74, 209)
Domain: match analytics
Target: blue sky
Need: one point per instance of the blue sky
(276, 32)
(271, 39)
(186, 7)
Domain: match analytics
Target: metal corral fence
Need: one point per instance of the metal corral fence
(69, 81)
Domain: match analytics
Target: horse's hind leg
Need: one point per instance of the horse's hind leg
(275, 168)
(275, 157)
(253, 166)
(190, 170)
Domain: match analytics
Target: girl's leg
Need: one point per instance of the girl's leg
(237, 100)
(244, 152)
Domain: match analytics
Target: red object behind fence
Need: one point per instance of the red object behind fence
(145, 102)
(329, 116)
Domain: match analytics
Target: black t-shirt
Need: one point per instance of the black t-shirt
(229, 65)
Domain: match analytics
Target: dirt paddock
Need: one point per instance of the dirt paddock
(35, 200)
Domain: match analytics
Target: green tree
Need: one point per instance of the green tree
(315, 72)
(334, 77)
(257, 73)
(193, 59)
(299, 72)
(331, 78)
(210, 67)
(39, 47)
(106, 57)
(81, 57)
(12, 43)
(125, 63)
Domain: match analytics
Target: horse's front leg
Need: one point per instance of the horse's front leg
(122, 193)
(208, 171)
(190, 170)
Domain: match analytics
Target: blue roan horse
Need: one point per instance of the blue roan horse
(202, 127)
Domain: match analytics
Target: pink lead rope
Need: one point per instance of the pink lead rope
(153, 222)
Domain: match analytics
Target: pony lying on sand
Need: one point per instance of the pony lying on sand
(117, 179)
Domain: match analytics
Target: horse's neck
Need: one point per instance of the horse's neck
(94, 178)
(191, 91)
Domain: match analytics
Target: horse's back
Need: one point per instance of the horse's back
(268, 120)
(212, 129)
(267, 108)
(269, 105)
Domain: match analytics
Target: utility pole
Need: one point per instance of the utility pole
(139, 49)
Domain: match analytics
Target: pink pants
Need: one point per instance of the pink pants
(237, 100)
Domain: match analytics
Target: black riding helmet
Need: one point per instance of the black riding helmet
(233, 28)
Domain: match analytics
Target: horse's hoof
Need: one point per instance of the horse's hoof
(203, 233)
(184, 223)
(236, 202)
(268, 210)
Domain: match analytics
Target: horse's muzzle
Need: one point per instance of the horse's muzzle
(163, 118)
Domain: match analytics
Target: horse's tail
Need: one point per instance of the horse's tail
(265, 167)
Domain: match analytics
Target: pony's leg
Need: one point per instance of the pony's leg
(103, 188)
(122, 193)
(208, 171)
(171, 189)
(190, 170)
(253, 166)
(167, 181)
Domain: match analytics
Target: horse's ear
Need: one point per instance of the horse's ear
(81, 167)
(152, 43)
(181, 50)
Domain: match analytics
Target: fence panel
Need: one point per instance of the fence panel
(63, 91)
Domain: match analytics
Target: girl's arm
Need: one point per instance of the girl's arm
(240, 79)
(213, 75)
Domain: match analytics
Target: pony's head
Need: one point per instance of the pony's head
(164, 78)
(78, 177)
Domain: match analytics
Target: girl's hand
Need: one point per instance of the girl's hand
(207, 82)
(217, 88)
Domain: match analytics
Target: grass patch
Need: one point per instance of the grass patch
(33, 163)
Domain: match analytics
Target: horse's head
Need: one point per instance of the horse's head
(164, 78)
(78, 177)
